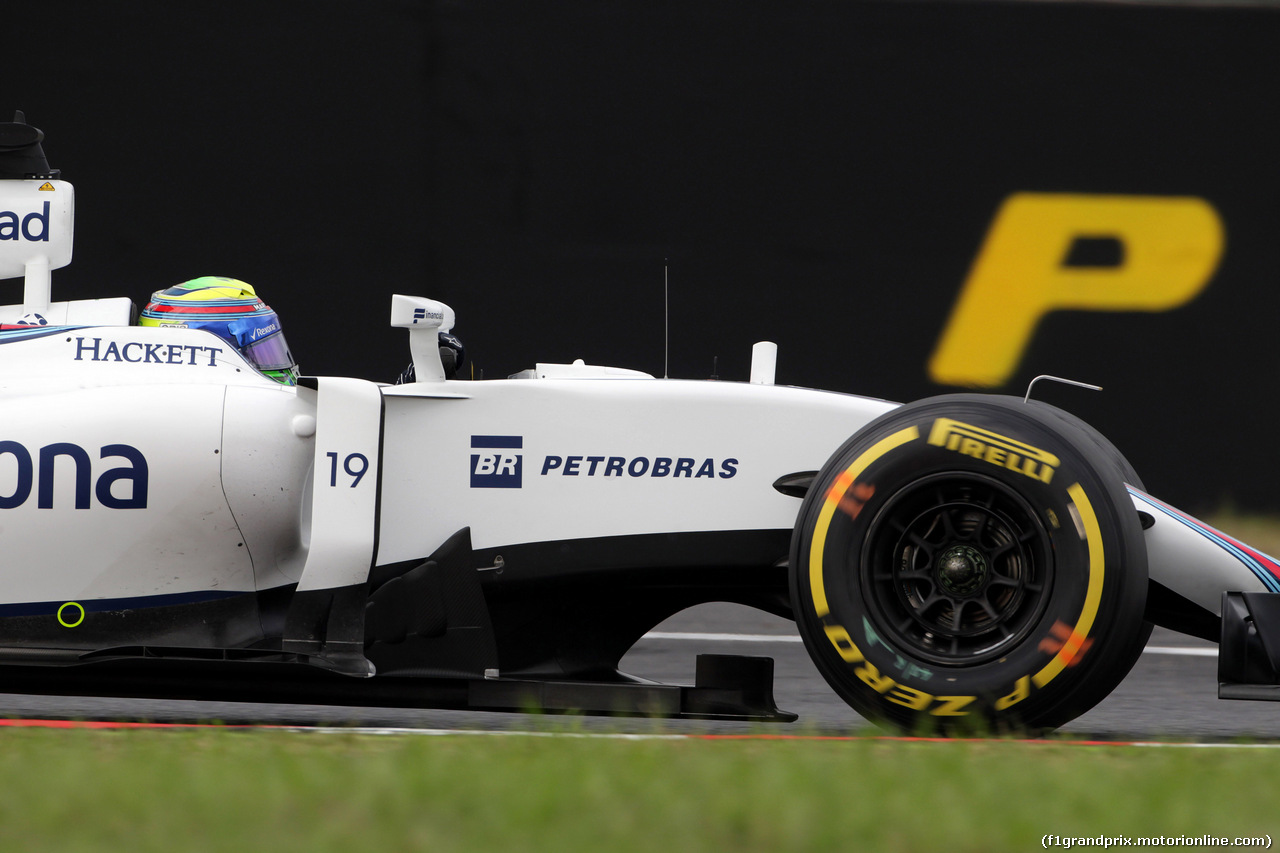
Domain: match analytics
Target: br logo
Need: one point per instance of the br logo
(496, 462)
(1058, 252)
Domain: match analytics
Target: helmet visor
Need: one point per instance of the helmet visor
(269, 353)
(261, 341)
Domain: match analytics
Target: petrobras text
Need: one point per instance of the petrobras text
(497, 462)
(675, 467)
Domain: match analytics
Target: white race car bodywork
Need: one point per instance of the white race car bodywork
(1198, 562)
(281, 479)
(588, 458)
(507, 541)
(296, 485)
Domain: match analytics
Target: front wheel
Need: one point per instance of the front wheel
(971, 562)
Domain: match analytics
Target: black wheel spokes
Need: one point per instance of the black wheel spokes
(983, 521)
(949, 531)
(957, 569)
(1023, 540)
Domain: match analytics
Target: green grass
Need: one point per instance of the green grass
(212, 790)
(190, 791)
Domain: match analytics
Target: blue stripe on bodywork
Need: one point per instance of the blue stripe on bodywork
(1221, 540)
(13, 336)
(102, 605)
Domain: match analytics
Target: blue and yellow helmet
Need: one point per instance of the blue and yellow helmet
(231, 309)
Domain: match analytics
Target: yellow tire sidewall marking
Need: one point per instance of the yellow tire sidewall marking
(817, 588)
(1093, 539)
(1093, 594)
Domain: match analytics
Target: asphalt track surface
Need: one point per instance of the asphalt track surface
(1171, 693)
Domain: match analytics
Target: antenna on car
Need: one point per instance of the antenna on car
(1033, 382)
(666, 320)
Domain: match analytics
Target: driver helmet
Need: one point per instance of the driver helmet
(231, 309)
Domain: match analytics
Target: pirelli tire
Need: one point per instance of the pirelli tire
(971, 563)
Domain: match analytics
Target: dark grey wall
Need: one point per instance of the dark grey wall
(814, 172)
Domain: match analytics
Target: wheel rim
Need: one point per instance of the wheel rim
(957, 569)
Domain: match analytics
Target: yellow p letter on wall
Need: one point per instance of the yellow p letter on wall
(1171, 248)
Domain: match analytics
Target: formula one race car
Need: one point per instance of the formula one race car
(177, 523)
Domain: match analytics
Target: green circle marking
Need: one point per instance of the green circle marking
(63, 622)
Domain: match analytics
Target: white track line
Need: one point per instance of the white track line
(1188, 651)
(870, 738)
(723, 638)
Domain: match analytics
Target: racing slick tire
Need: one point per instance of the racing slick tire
(971, 563)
